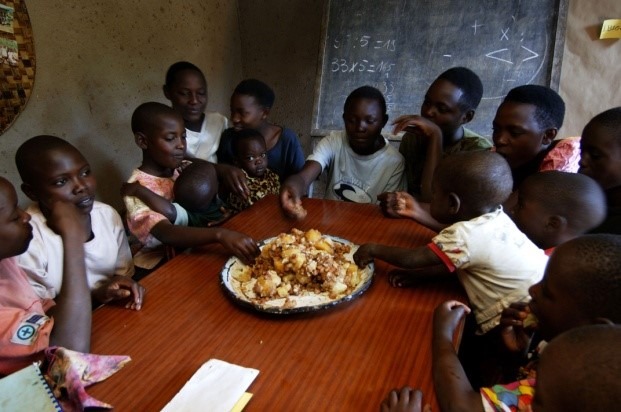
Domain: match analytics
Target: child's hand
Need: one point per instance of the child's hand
(226, 215)
(416, 124)
(364, 255)
(233, 180)
(446, 317)
(404, 400)
(240, 245)
(119, 288)
(65, 220)
(291, 203)
(515, 335)
(399, 204)
(130, 189)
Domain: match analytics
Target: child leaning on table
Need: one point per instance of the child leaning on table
(493, 260)
(580, 287)
(159, 133)
(29, 323)
(360, 162)
(54, 170)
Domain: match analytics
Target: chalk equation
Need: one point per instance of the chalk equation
(364, 41)
(360, 66)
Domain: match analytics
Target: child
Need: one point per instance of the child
(250, 154)
(159, 133)
(186, 88)
(601, 159)
(580, 287)
(54, 170)
(494, 261)
(195, 192)
(361, 163)
(26, 328)
(554, 207)
(450, 102)
(251, 103)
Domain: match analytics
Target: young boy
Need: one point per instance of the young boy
(25, 328)
(361, 163)
(580, 287)
(450, 102)
(250, 154)
(159, 133)
(54, 170)
(600, 149)
(554, 207)
(494, 261)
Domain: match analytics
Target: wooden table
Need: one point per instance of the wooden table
(346, 358)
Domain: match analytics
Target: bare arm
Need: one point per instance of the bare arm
(453, 389)
(154, 201)
(72, 313)
(296, 186)
(401, 257)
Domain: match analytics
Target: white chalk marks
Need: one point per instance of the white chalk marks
(507, 55)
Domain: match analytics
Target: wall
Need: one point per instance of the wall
(96, 60)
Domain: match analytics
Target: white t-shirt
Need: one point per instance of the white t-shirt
(204, 144)
(495, 262)
(357, 178)
(107, 254)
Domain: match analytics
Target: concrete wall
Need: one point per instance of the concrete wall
(97, 60)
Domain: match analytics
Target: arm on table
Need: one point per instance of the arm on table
(403, 205)
(405, 258)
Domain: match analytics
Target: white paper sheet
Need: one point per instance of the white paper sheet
(215, 387)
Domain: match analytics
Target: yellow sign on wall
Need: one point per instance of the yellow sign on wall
(611, 29)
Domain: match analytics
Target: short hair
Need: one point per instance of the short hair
(468, 82)
(146, 116)
(196, 186)
(588, 361)
(366, 92)
(29, 154)
(240, 137)
(549, 106)
(263, 94)
(482, 179)
(574, 196)
(176, 68)
(593, 277)
(609, 120)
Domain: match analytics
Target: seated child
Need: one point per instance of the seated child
(580, 287)
(249, 152)
(195, 194)
(28, 322)
(450, 102)
(554, 207)
(601, 159)
(186, 88)
(251, 103)
(54, 170)
(361, 163)
(494, 261)
(159, 133)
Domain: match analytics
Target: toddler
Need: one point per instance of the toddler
(159, 133)
(54, 170)
(360, 162)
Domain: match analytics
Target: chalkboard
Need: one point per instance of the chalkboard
(401, 46)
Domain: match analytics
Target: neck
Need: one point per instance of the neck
(195, 126)
(454, 138)
(152, 168)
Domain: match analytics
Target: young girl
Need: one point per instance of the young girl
(250, 154)
(361, 163)
(251, 103)
(54, 170)
(26, 329)
(159, 132)
(186, 88)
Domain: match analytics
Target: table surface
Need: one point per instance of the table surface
(343, 358)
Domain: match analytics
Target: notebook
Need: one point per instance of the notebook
(27, 390)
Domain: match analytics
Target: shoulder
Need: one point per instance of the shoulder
(215, 118)
(104, 212)
(288, 134)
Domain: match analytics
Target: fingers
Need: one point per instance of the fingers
(455, 304)
(138, 294)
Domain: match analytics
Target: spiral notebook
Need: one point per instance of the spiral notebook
(27, 390)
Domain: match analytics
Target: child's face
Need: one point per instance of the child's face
(364, 120)
(517, 134)
(600, 156)
(253, 157)
(63, 175)
(530, 216)
(165, 144)
(552, 302)
(441, 106)
(246, 112)
(15, 231)
(188, 95)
